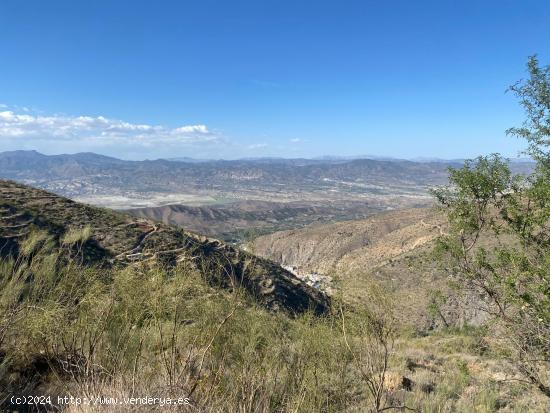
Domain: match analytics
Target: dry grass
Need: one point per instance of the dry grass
(160, 332)
(144, 330)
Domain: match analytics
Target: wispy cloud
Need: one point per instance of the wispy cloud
(257, 146)
(295, 140)
(98, 130)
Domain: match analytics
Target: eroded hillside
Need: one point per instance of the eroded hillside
(393, 249)
(348, 245)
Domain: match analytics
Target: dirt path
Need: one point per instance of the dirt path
(139, 246)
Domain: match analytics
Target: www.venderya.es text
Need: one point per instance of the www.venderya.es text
(97, 401)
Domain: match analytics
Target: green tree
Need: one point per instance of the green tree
(499, 237)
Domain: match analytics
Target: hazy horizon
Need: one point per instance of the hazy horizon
(519, 158)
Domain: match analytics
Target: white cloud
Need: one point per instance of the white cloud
(257, 146)
(295, 140)
(97, 130)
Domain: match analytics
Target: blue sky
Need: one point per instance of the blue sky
(230, 79)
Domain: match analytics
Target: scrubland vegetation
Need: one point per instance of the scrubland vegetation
(144, 330)
(138, 331)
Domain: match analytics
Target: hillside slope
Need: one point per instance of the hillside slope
(237, 220)
(118, 239)
(347, 245)
(391, 249)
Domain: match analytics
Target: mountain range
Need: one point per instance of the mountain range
(121, 184)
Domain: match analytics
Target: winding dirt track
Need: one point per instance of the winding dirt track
(139, 246)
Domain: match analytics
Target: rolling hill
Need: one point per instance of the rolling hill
(237, 221)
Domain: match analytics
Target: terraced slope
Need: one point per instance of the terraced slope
(118, 239)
